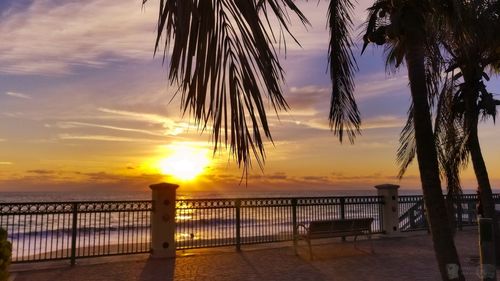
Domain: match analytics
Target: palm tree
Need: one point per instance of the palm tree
(474, 47)
(224, 61)
(450, 144)
(403, 26)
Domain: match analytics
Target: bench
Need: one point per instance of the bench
(334, 228)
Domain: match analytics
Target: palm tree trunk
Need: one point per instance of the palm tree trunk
(450, 207)
(442, 236)
(484, 187)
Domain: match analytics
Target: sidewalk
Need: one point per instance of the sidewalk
(409, 257)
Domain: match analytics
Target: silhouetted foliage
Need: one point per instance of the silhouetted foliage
(5, 255)
(223, 59)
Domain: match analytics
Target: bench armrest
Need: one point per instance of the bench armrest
(301, 225)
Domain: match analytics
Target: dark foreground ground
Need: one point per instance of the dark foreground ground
(407, 257)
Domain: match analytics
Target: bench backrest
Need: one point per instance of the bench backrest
(345, 225)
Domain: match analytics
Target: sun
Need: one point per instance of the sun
(185, 162)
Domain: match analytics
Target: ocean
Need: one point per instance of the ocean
(121, 195)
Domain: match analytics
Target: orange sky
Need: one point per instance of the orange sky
(84, 105)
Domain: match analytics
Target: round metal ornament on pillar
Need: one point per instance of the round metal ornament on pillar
(162, 224)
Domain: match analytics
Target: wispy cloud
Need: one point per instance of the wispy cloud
(382, 122)
(18, 95)
(5, 163)
(308, 99)
(41, 172)
(106, 138)
(171, 127)
(72, 125)
(378, 84)
(97, 33)
(378, 122)
(138, 115)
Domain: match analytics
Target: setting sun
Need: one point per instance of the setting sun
(185, 163)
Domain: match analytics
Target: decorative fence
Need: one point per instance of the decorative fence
(224, 222)
(412, 212)
(71, 230)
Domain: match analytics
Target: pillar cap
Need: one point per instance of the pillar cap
(386, 186)
(163, 185)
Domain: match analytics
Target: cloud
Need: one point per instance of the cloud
(96, 33)
(17, 95)
(321, 123)
(170, 126)
(67, 180)
(138, 115)
(308, 100)
(315, 178)
(379, 84)
(106, 138)
(51, 37)
(5, 163)
(41, 172)
(278, 176)
(72, 125)
(383, 122)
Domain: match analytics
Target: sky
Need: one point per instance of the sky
(84, 105)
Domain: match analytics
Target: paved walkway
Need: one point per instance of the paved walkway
(401, 258)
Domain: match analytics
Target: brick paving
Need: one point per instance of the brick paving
(408, 257)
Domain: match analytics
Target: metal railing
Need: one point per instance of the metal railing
(235, 222)
(71, 230)
(412, 211)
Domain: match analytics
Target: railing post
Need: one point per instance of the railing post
(342, 208)
(163, 220)
(294, 222)
(390, 214)
(238, 224)
(487, 249)
(342, 211)
(74, 232)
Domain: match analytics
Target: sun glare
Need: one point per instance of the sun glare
(185, 162)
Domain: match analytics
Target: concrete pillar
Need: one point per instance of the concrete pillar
(390, 212)
(163, 220)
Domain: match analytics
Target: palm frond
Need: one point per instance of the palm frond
(434, 67)
(451, 140)
(407, 145)
(344, 114)
(222, 58)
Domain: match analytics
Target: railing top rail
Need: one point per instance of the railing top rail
(76, 202)
(462, 196)
(41, 208)
(278, 198)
